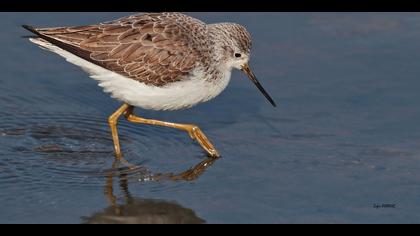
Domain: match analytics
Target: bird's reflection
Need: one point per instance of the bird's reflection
(134, 210)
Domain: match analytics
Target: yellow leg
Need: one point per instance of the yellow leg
(194, 132)
(113, 121)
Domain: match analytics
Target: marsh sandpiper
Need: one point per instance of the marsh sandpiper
(156, 61)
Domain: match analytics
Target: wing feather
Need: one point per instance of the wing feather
(155, 49)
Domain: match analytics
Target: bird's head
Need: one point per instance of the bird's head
(235, 44)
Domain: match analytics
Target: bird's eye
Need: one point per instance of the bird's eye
(238, 55)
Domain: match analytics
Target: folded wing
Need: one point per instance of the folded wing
(155, 49)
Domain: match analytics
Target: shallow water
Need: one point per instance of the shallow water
(344, 137)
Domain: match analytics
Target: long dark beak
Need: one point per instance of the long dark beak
(248, 71)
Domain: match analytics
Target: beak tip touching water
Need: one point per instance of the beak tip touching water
(274, 104)
(254, 79)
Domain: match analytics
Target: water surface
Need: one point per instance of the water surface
(344, 137)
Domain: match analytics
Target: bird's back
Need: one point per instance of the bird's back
(154, 48)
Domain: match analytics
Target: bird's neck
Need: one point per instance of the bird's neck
(219, 39)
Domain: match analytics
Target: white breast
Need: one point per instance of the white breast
(174, 96)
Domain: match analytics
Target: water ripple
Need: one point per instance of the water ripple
(62, 150)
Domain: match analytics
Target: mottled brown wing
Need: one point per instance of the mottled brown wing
(155, 49)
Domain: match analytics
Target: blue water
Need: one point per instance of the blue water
(343, 140)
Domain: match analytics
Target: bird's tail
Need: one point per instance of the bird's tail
(31, 29)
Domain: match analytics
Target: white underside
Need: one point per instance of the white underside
(174, 96)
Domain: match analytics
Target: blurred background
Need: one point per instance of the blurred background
(343, 140)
